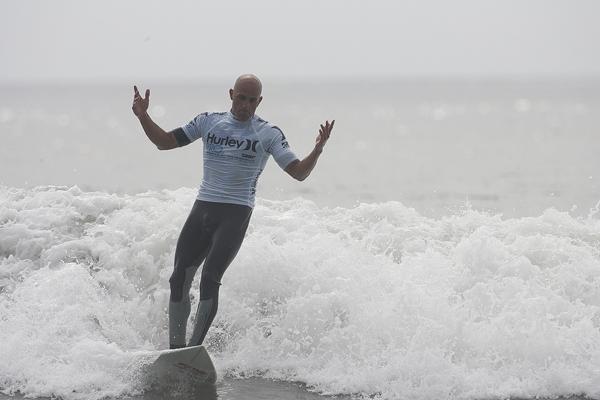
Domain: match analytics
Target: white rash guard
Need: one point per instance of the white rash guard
(235, 154)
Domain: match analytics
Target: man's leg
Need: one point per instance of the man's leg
(179, 306)
(207, 309)
(192, 247)
(226, 242)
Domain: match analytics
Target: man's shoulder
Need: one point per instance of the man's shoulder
(209, 118)
(213, 114)
(266, 127)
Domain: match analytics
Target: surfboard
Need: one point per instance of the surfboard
(189, 362)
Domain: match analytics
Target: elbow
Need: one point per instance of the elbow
(300, 177)
(296, 171)
(166, 144)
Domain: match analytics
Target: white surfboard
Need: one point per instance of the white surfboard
(190, 362)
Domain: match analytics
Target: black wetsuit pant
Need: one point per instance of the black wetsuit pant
(213, 234)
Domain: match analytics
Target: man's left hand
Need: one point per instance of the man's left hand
(323, 136)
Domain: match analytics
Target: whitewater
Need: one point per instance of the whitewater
(373, 300)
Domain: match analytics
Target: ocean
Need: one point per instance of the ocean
(446, 246)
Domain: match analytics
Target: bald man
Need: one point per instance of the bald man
(237, 145)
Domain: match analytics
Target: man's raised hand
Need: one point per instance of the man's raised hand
(140, 104)
(324, 133)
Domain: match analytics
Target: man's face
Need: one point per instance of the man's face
(245, 97)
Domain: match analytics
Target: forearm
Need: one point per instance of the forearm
(155, 133)
(300, 170)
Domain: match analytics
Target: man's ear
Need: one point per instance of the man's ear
(231, 94)
(259, 100)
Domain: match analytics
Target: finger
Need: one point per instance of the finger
(331, 127)
(147, 96)
(135, 90)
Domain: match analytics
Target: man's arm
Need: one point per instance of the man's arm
(301, 169)
(162, 139)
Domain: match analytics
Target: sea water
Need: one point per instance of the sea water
(447, 244)
(515, 148)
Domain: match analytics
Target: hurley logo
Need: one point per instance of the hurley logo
(232, 142)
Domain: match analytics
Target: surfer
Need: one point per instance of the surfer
(237, 145)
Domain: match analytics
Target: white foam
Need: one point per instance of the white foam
(375, 299)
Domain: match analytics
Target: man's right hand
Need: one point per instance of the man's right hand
(140, 105)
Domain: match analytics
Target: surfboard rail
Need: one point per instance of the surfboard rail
(193, 362)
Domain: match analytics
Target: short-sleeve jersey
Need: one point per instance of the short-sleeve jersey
(235, 154)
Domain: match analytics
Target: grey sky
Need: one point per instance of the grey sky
(195, 40)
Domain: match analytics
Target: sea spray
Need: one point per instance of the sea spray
(375, 300)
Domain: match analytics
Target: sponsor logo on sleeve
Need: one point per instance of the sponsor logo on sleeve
(284, 142)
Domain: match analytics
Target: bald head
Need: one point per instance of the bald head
(248, 81)
(245, 96)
